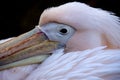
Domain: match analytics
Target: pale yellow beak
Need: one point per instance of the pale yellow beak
(28, 48)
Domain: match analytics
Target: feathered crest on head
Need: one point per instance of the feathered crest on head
(82, 16)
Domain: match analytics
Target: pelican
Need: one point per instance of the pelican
(73, 41)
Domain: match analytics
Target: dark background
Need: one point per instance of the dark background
(20, 16)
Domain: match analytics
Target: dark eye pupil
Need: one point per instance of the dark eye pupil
(63, 30)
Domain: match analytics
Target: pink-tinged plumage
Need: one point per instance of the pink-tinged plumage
(100, 61)
(18, 73)
(92, 64)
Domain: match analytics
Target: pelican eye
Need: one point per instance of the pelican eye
(63, 31)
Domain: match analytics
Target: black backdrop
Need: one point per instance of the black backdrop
(20, 16)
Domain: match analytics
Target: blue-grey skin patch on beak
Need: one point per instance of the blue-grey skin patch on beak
(58, 32)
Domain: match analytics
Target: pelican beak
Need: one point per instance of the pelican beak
(28, 48)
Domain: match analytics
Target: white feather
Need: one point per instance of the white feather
(94, 64)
